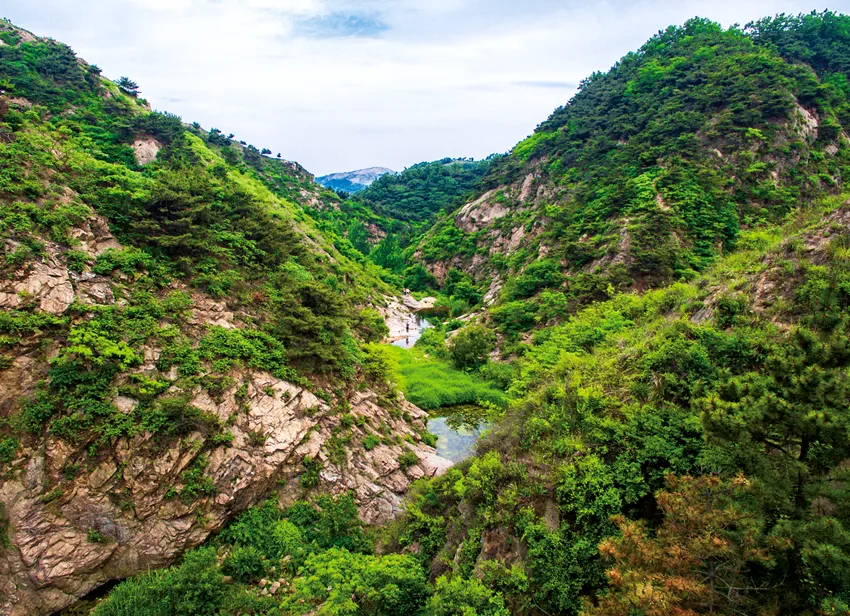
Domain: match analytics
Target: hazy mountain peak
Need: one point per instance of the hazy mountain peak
(353, 181)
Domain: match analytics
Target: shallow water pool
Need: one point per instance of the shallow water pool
(455, 444)
(418, 324)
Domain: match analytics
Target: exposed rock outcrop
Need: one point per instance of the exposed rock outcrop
(78, 517)
(126, 511)
(49, 283)
(146, 149)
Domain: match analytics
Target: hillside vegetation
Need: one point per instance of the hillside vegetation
(420, 191)
(207, 214)
(172, 300)
(648, 300)
(654, 167)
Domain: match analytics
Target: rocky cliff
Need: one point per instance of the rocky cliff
(77, 516)
(178, 338)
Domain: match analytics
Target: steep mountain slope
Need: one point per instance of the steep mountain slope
(353, 181)
(683, 449)
(653, 168)
(384, 221)
(186, 335)
(652, 438)
(178, 339)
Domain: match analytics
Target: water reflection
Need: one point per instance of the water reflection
(413, 330)
(455, 443)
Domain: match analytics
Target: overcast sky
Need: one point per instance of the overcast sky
(343, 84)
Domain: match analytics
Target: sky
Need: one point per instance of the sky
(339, 85)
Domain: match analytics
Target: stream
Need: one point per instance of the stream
(453, 444)
(417, 324)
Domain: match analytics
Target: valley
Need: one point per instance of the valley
(602, 374)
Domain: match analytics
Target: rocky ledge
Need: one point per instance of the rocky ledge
(75, 518)
(123, 513)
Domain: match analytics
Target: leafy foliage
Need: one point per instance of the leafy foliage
(420, 191)
(698, 560)
(650, 171)
(678, 450)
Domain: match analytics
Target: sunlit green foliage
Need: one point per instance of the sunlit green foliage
(637, 388)
(678, 432)
(319, 549)
(434, 383)
(420, 191)
(653, 167)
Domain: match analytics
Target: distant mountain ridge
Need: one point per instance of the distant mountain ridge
(353, 181)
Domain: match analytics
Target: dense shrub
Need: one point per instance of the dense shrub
(339, 582)
(471, 346)
(194, 588)
(464, 597)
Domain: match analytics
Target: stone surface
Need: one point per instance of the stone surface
(46, 281)
(125, 494)
(478, 214)
(55, 495)
(146, 149)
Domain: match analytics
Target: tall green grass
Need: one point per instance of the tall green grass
(431, 383)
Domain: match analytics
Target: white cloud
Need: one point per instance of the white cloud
(366, 82)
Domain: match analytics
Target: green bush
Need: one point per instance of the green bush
(372, 326)
(195, 588)
(471, 347)
(8, 450)
(408, 459)
(245, 564)
(329, 522)
(339, 582)
(542, 274)
(370, 441)
(459, 596)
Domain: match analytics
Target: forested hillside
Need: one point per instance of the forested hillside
(646, 303)
(654, 167)
(384, 221)
(679, 450)
(178, 338)
(423, 190)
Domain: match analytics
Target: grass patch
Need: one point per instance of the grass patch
(431, 383)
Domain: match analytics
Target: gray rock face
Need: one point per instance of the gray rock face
(353, 181)
(127, 496)
(77, 519)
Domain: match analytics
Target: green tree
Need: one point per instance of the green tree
(471, 346)
(464, 597)
(696, 562)
(337, 583)
(387, 254)
(423, 190)
(794, 409)
(460, 285)
(417, 278)
(359, 237)
(128, 86)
